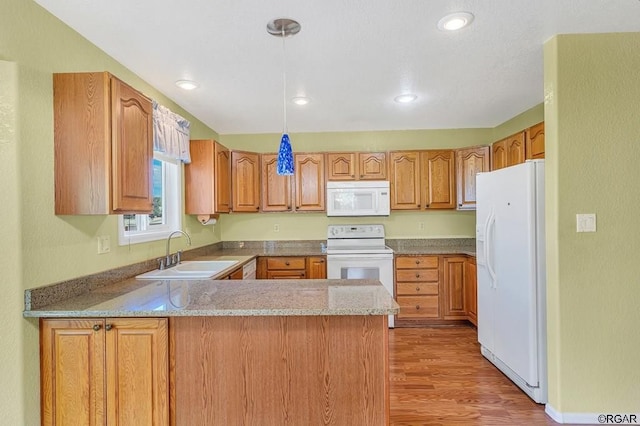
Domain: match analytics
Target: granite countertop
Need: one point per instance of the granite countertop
(162, 298)
(433, 246)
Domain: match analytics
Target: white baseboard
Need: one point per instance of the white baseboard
(591, 418)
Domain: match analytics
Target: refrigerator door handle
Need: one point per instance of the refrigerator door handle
(491, 220)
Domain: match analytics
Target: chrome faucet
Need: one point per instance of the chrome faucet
(172, 259)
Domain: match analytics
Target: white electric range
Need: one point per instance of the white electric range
(360, 252)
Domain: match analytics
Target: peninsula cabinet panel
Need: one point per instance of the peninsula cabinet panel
(105, 371)
(276, 189)
(438, 179)
(342, 166)
(404, 177)
(245, 182)
(469, 162)
(103, 148)
(207, 178)
(471, 290)
(499, 155)
(454, 294)
(515, 149)
(535, 142)
(296, 370)
(310, 182)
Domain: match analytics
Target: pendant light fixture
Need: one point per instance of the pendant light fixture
(284, 27)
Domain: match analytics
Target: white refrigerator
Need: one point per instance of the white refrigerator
(510, 250)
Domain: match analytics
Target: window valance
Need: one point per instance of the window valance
(171, 133)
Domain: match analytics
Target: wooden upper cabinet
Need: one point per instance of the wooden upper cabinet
(309, 182)
(207, 178)
(356, 166)
(469, 162)
(372, 165)
(438, 179)
(499, 155)
(245, 168)
(404, 177)
(515, 149)
(535, 141)
(342, 166)
(276, 189)
(103, 149)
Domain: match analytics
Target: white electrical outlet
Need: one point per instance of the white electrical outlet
(421, 226)
(104, 244)
(276, 228)
(586, 222)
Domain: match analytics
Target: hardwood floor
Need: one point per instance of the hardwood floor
(439, 377)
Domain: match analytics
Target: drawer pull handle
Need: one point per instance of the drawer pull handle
(417, 261)
(417, 275)
(97, 327)
(417, 307)
(286, 263)
(417, 289)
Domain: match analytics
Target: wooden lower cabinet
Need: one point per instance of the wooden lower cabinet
(434, 290)
(291, 267)
(104, 371)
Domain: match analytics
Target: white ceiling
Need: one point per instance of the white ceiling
(351, 57)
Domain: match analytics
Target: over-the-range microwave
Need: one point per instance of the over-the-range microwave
(358, 198)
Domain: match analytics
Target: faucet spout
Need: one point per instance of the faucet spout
(169, 260)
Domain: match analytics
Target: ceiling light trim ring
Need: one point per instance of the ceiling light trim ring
(455, 21)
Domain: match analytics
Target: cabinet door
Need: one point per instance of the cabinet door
(438, 179)
(316, 268)
(469, 162)
(222, 179)
(471, 290)
(137, 368)
(499, 155)
(276, 189)
(132, 149)
(454, 298)
(515, 149)
(535, 142)
(404, 176)
(72, 372)
(245, 183)
(310, 182)
(341, 166)
(372, 166)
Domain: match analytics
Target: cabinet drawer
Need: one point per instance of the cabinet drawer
(414, 275)
(406, 262)
(286, 263)
(286, 275)
(411, 289)
(418, 307)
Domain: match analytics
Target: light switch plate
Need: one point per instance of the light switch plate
(586, 222)
(104, 244)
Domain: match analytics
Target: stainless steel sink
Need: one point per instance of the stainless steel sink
(189, 270)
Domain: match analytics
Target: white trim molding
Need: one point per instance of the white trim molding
(609, 418)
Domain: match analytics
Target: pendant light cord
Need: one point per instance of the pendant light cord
(284, 85)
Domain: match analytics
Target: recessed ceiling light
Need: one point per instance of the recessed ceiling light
(455, 21)
(301, 100)
(406, 98)
(186, 84)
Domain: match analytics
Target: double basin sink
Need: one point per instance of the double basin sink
(190, 270)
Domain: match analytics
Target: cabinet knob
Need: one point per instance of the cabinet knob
(417, 307)
(418, 205)
(321, 260)
(108, 327)
(417, 275)
(286, 263)
(96, 327)
(427, 206)
(418, 289)
(459, 205)
(417, 261)
(258, 208)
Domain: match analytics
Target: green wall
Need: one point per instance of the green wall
(592, 124)
(38, 247)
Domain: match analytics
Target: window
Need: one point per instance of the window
(167, 199)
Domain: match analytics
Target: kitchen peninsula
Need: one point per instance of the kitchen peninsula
(218, 352)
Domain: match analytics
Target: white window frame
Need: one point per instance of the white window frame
(172, 207)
